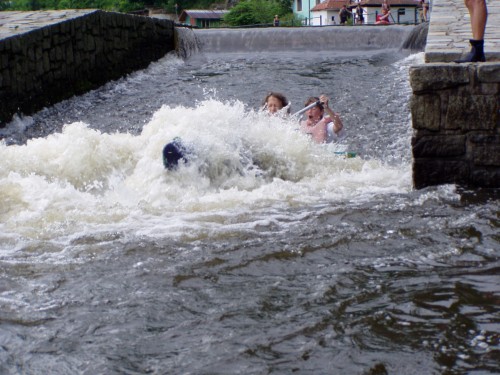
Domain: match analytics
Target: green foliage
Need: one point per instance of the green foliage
(290, 19)
(256, 12)
(117, 5)
(246, 12)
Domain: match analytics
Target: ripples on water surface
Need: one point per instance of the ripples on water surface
(267, 254)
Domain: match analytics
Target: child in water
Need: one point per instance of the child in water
(274, 102)
(323, 129)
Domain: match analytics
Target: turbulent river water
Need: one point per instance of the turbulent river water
(266, 254)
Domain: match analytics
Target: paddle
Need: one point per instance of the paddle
(306, 108)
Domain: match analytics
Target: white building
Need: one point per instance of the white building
(316, 13)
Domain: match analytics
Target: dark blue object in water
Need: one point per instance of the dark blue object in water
(173, 152)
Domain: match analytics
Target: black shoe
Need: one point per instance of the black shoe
(476, 53)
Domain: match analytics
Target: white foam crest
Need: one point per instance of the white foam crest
(80, 179)
(78, 155)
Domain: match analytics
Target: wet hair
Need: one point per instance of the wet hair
(282, 98)
(313, 99)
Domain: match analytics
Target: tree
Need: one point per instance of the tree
(253, 12)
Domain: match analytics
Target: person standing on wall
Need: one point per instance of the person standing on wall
(276, 21)
(478, 17)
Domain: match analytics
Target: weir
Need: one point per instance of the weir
(302, 39)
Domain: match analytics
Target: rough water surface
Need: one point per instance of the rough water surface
(266, 254)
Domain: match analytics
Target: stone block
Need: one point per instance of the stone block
(488, 89)
(59, 53)
(31, 53)
(4, 61)
(429, 172)
(489, 72)
(438, 146)
(64, 27)
(484, 149)
(47, 43)
(15, 45)
(89, 43)
(426, 111)
(438, 76)
(38, 52)
(39, 67)
(485, 177)
(99, 45)
(46, 61)
(69, 53)
(6, 77)
(472, 112)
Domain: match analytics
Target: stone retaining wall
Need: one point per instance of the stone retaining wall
(52, 63)
(455, 113)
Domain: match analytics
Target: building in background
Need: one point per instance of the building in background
(202, 18)
(317, 13)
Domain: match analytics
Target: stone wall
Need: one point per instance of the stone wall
(48, 64)
(455, 113)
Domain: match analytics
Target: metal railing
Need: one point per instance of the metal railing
(352, 20)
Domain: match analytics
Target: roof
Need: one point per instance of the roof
(330, 5)
(337, 4)
(392, 3)
(202, 14)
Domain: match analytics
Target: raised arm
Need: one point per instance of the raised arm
(337, 121)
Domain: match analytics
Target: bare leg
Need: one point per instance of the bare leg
(478, 16)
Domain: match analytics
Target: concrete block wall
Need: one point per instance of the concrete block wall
(456, 119)
(48, 64)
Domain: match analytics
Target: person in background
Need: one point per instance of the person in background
(478, 16)
(344, 14)
(322, 129)
(384, 18)
(359, 12)
(276, 21)
(425, 10)
(275, 102)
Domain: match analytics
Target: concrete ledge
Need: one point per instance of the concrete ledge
(46, 57)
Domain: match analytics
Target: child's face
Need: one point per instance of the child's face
(315, 113)
(274, 104)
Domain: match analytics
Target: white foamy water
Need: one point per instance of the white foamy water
(243, 160)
